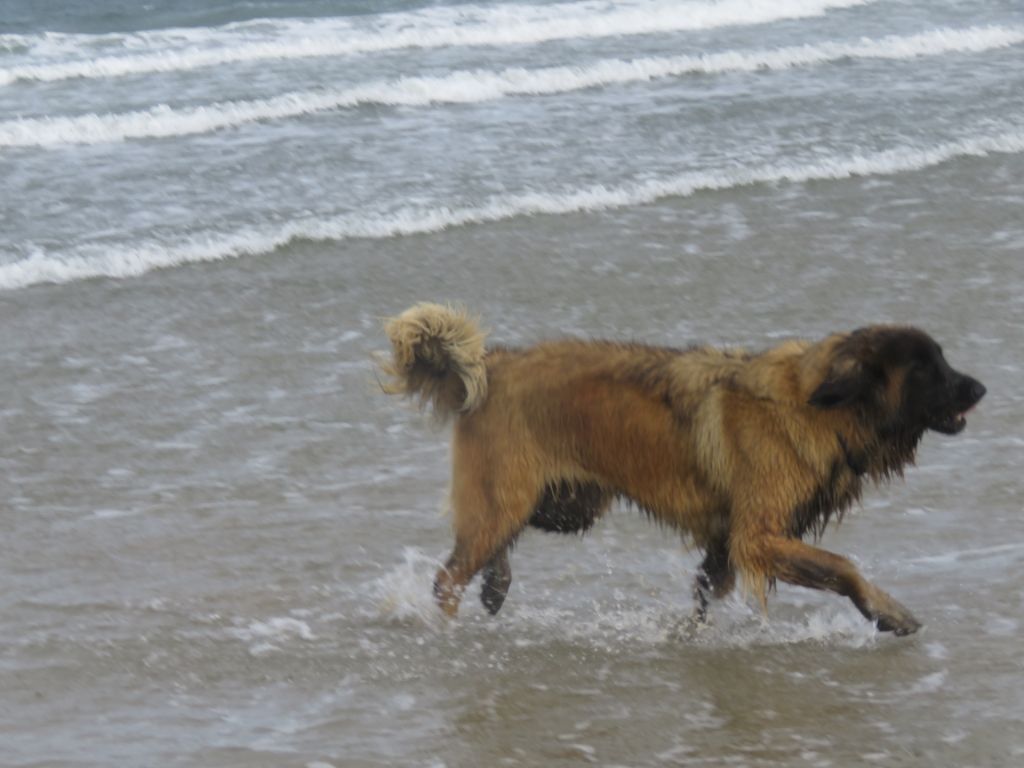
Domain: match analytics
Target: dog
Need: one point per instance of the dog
(745, 453)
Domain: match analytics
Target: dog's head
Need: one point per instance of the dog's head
(902, 375)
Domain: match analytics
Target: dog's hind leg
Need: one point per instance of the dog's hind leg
(488, 511)
(473, 552)
(564, 507)
(452, 579)
(715, 578)
(497, 578)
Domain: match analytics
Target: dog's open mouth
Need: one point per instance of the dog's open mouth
(953, 423)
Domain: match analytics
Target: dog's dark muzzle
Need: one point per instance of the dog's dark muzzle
(967, 393)
(974, 390)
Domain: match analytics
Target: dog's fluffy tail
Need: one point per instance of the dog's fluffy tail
(438, 357)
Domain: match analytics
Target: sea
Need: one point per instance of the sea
(217, 535)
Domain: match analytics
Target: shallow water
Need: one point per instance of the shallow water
(219, 537)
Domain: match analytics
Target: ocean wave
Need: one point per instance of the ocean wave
(508, 24)
(481, 85)
(13, 44)
(133, 260)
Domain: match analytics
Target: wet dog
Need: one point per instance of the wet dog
(745, 453)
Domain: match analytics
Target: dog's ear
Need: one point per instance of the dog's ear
(853, 372)
(834, 393)
(845, 385)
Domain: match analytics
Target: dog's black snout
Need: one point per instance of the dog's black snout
(970, 391)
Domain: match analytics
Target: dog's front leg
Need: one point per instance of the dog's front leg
(715, 578)
(798, 563)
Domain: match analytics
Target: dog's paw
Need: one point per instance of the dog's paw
(887, 613)
(492, 598)
(907, 626)
(896, 619)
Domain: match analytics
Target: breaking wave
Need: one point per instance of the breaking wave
(177, 50)
(139, 258)
(476, 86)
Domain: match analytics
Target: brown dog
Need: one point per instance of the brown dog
(746, 453)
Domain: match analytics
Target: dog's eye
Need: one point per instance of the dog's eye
(923, 367)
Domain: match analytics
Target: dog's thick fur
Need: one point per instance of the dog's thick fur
(746, 453)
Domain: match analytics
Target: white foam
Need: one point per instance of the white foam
(278, 629)
(956, 556)
(137, 259)
(111, 514)
(937, 651)
(827, 626)
(404, 593)
(1002, 626)
(607, 627)
(466, 25)
(734, 624)
(932, 683)
(476, 86)
(739, 625)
